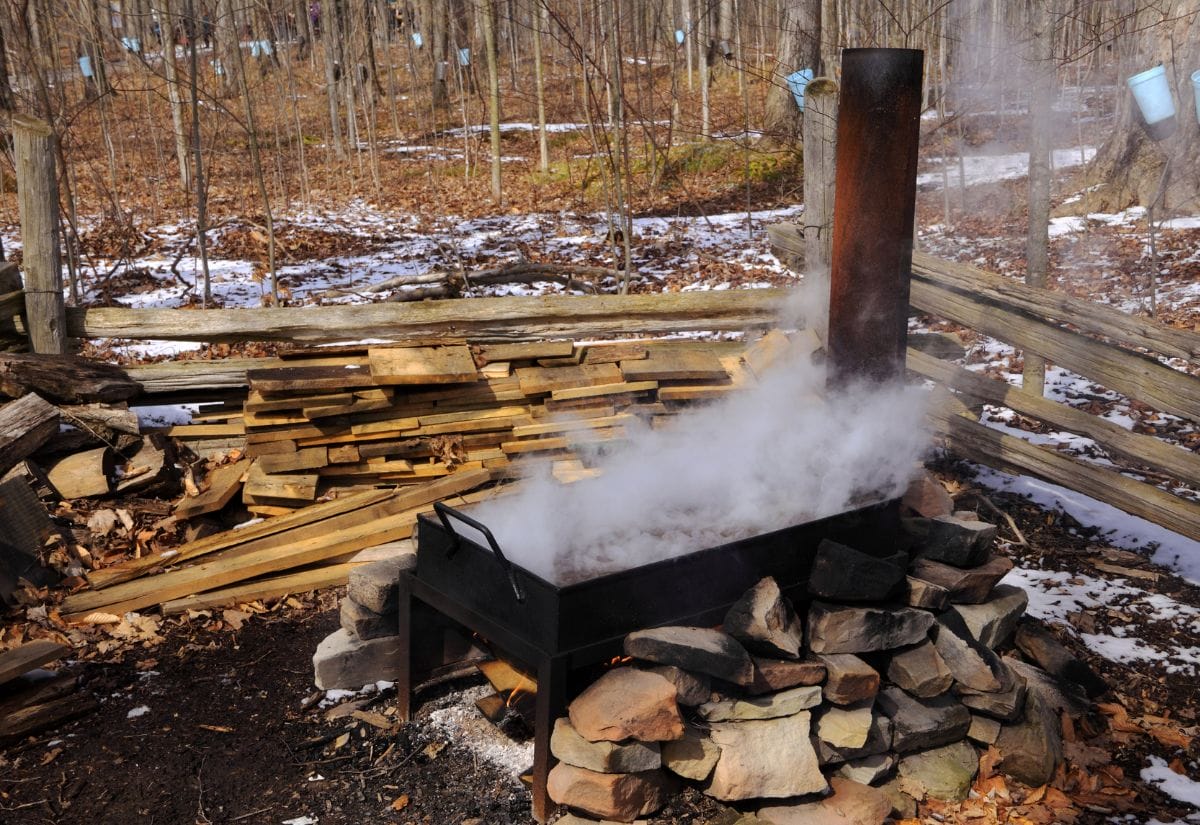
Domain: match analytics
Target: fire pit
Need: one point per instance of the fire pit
(556, 630)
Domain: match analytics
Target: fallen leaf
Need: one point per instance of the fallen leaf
(217, 728)
(434, 748)
(1035, 796)
(1177, 766)
(1171, 737)
(988, 762)
(235, 618)
(340, 742)
(126, 519)
(400, 802)
(100, 618)
(50, 756)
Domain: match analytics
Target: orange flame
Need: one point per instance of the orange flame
(517, 692)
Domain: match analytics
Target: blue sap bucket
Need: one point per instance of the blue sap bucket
(1196, 89)
(679, 37)
(464, 57)
(1152, 93)
(418, 41)
(254, 48)
(85, 66)
(797, 82)
(131, 44)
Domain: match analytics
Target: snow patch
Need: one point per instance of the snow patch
(1174, 785)
(141, 710)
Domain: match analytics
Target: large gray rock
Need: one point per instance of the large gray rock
(627, 703)
(765, 623)
(692, 757)
(843, 574)
(1062, 696)
(699, 649)
(923, 723)
(1036, 641)
(375, 586)
(920, 671)
(767, 759)
(836, 629)
(1005, 705)
(691, 689)
(966, 586)
(1032, 749)
(993, 622)
(845, 727)
(366, 624)
(620, 796)
(955, 541)
(604, 757)
(879, 740)
(781, 674)
(344, 662)
(974, 665)
(983, 731)
(848, 679)
(770, 706)
(869, 769)
(851, 803)
(944, 773)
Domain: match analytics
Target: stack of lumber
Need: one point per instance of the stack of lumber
(405, 415)
(31, 699)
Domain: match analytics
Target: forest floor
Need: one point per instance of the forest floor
(213, 719)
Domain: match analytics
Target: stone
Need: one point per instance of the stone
(690, 689)
(765, 759)
(994, 621)
(879, 740)
(836, 629)
(920, 671)
(699, 649)
(781, 674)
(1032, 749)
(692, 757)
(343, 662)
(926, 594)
(572, 819)
(927, 497)
(983, 731)
(845, 727)
(1036, 641)
(768, 706)
(627, 703)
(848, 679)
(851, 803)
(366, 624)
(966, 586)
(974, 665)
(923, 723)
(952, 540)
(944, 773)
(603, 757)
(867, 770)
(843, 574)
(903, 805)
(620, 796)
(1063, 697)
(765, 622)
(375, 586)
(1005, 705)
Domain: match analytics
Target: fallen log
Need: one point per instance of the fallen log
(18, 661)
(25, 425)
(64, 379)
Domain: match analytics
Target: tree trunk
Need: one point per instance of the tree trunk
(1037, 239)
(798, 47)
(1128, 167)
(175, 95)
(493, 70)
(228, 45)
(6, 98)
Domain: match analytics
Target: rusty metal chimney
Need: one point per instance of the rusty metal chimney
(878, 130)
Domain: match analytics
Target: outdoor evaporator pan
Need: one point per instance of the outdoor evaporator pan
(555, 629)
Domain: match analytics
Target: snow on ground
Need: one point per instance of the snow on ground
(1177, 786)
(979, 169)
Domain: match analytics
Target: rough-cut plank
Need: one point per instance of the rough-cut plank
(230, 569)
(311, 378)
(1143, 450)
(478, 319)
(83, 475)
(206, 430)
(224, 482)
(18, 661)
(621, 388)
(101, 416)
(25, 425)
(544, 380)
(471, 415)
(1087, 316)
(256, 402)
(288, 487)
(972, 440)
(356, 407)
(39, 715)
(64, 379)
(316, 579)
(313, 514)
(570, 424)
(614, 353)
(310, 458)
(422, 365)
(1129, 373)
(531, 351)
(675, 365)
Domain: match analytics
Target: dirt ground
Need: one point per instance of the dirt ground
(232, 731)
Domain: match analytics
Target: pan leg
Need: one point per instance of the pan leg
(551, 704)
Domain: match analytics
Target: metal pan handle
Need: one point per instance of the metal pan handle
(445, 512)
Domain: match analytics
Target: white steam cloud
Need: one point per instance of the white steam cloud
(761, 459)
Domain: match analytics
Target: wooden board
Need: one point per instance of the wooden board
(284, 486)
(311, 379)
(422, 365)
(675, 365)
(570, 425)
(530, 351)
(614, 353)
(603, 389)
(301, 582)
(224, 482)
(206, 430)
(544, 380)
(18, 661)
(309, 458)
(83, 475)
(257, 402)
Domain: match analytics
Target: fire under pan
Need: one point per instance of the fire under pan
(555, 630)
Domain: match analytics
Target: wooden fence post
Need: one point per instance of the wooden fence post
(37, 197)
(820, 154)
